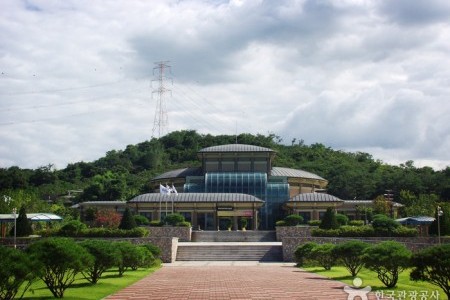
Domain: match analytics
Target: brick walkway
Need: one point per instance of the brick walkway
(263, 281)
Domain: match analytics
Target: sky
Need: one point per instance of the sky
(80, 78)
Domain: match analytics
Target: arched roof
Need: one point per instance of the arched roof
(315, 197)
(194, 197)
(179, 173)
(287, 172)
(235, 148)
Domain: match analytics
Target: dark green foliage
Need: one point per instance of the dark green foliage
(388, 259)
(131, 257)
(153, 249)
(243, 222)
(156, 223)
(173, 219)
(280, 223)
(72, 228)
(364, 231)
(342, 219)
(329, 220)
(356, 223)
(350, 254)
(60, 260)
(105, 256)
(23, 224)
(16, 271)
(314, 223)
(146, 258)
(323, 254)
(384, 225)
(433, 265)
(141, 220)
(127, 222)
(184, 224)
(293, 220)
(303, 253)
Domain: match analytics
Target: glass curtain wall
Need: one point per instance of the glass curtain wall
(244, 183)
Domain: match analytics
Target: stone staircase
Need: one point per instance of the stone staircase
(234, 236)
(231, 246)
(266, 252)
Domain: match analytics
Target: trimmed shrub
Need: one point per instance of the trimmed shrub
(153, 249)
(72, 228)
(356, 223)
(60, 260)
(329, 220)
(141, 220)
(314, 222)
(433, 265)
(131, 257)
(350, 254)
(384, 225)
(324, 255)
(324, 232)
(280, 223)
(356, 231)
(156, 223)
(243, 222)
(293, 220)
(388, 259)
(303, 253)
(342, 219)
(184, 224)
(147, 259)
(127, 222)
(105, 256)
(403, 231)
(173, 219)
(17, 271)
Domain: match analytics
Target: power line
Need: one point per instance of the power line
(161, 120)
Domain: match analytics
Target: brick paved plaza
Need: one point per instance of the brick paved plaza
(216, 280)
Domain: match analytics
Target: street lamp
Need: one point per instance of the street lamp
(439, 214)
(15, 226)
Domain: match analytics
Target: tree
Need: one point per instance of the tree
(129, 258)
(433, 265)
(324, 255)
(173, 219)
(388, 259)
(17, 271)
(127, 222)
(141, 220)
(60, 260)
(105, 256)
(107, 218)
(329, 220)
(303, 252)
(381, 205)
(350, 253)
(23, 224)
(293, 220)
(342, 219)
(383, 225)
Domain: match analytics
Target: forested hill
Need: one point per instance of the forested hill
(121, 174)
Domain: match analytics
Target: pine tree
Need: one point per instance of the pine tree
(23, 224)
(127, 221)
(329, 220)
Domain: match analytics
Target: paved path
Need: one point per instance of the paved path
(232, 280)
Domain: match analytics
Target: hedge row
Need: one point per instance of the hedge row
(97, 232)
(364, 231)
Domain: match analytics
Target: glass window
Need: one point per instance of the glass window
(244, 166)
(306, 215)
(187, 216)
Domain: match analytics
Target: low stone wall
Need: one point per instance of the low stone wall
(412, 243)
(184, 234)
(296, 231)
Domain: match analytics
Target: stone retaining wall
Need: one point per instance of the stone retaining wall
(412, 243)
(296, 231)
(184, 234)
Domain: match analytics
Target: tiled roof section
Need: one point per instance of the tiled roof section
(195, 197)
(315, 197)
(286, 172)
(235, 148)
(180, 173)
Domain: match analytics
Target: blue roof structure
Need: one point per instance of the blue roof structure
(419, 220)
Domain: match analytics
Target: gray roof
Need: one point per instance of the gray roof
(194, 197)
(100, 203)
(287, 172)
(315, 197)
(420, 220)
(180, 173)
(235, 148)
(33, 217)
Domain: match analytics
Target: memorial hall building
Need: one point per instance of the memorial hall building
(238, 181)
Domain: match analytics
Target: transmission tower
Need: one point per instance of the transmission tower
(161, 120)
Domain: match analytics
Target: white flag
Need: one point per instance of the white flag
(174, 190)
(163, 190)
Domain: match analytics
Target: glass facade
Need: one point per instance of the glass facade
(274, 191)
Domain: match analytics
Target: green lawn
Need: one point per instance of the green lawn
(369, 278)
(83, 290)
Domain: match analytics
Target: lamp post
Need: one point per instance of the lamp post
(15, 226)
(439, 214)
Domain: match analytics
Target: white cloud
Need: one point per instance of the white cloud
(356, 75)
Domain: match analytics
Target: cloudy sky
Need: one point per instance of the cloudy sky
(77, 77)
